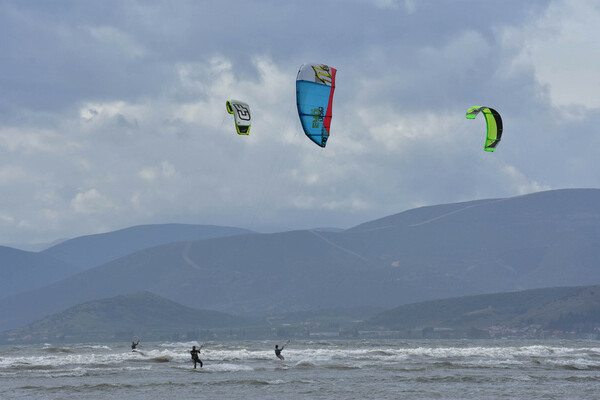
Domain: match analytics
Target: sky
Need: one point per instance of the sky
(112, 113)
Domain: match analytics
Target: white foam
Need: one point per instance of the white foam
(259, 355)
(227, 367)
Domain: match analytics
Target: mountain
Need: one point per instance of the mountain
(245, 275)
(34, 247)
(534, 311)
(22, 270)
(327, 229)
(539, 240)
(120, 318)
(92, 250)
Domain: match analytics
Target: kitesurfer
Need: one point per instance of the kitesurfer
(195, 356)
(278, 352)
(134, 345)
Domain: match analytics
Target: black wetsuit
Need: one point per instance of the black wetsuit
(195, 357)
(134, 345)
(278, 352)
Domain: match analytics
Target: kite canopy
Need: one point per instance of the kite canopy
(241, 115)
(315, 85)
(493, 122)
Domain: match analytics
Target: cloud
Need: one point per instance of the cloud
(522, 184)
(165, 170)
(12, 173)
(91, 202)
(409, 5)
(116, 39)
(109, 120)
(28, 140)
(562, 48)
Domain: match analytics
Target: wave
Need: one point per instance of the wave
(93, 346)
(381, 353)
(180, 345)
(76, 372)
(249, 382)
(583, 379)
(452, 378)
(320, 343)
(388, 355)
(343, 366)
(581, 367)
(30, 367)
(305, 364)
(101, 387)
(160, 359)
(52, 350)
(226, 367)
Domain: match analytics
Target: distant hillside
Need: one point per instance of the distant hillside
(22, 270)
(326, 229)
(563, 309)
(419, 216)
(246, 275)
(545, 239)
(538, 240)
(142, 314)
(92, 250)
(34, 247)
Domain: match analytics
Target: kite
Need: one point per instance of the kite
(315, 85)
(241, 115)
(493, 122)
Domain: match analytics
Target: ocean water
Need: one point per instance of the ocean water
(361, 369)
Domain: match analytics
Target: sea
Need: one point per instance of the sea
(323, 369)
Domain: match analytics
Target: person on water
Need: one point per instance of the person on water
(134, 345)
(195, 356)
(278, 352)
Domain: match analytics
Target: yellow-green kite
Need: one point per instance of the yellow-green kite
(493, 122)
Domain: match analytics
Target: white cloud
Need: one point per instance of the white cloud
(393, 131)
(6, 218)
(562, 47)
(91, 202)
(50, 215)
(148, 174)
(167, 169)
(13, 173)
(101, 113)
(30, 140)
(409, 5)
(521, 183)
(135, 199)
(117, 39)
(164, 170)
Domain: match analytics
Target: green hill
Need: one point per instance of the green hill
(537, 312)
(141, 314)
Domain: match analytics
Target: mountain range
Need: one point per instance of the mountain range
(23, 270)
(535, 313)
(140, 314)
(89, 251)
(532, 241)
(561, 308)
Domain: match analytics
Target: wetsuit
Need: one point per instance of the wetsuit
(278, 352)
(195, 357)
(134, 345)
